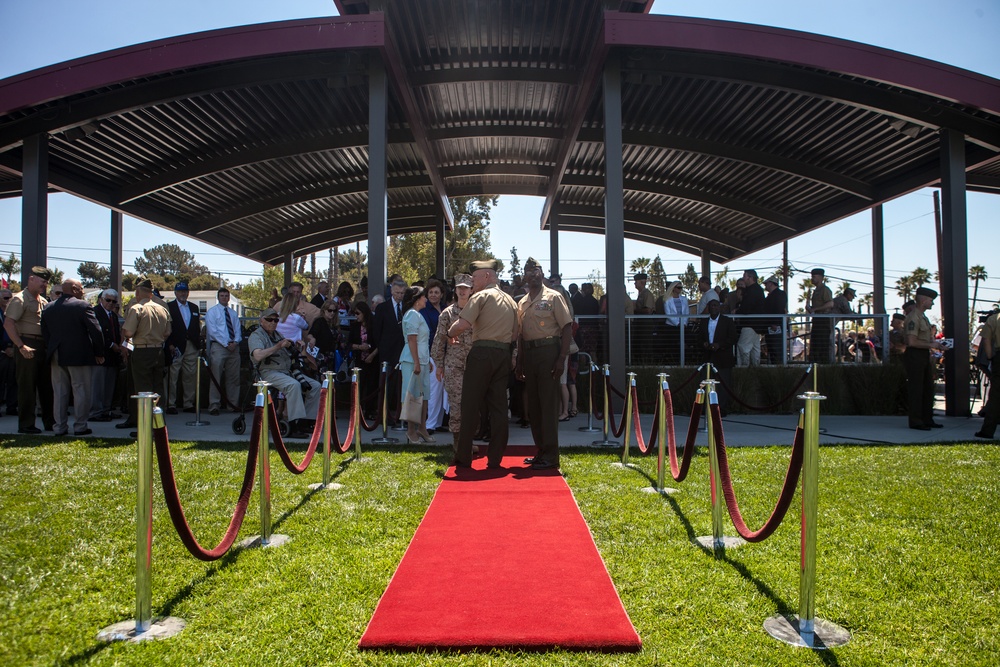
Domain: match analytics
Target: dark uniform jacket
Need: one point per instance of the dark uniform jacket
(726, 336)
(70, 328)
(179, 336)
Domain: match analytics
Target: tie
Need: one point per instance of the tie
(229, 327)
(398, 314)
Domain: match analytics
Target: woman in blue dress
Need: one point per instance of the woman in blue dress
(414, 362)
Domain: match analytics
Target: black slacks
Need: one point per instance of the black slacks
(543, 396)
(919, 386)
(487, 371)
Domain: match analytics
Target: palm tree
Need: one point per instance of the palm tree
(866, 300)
(640, 265)
(976, 273)
(921, 276)
(905, 286)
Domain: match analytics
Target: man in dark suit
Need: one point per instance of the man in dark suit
(182, 348)
(322, 294)
(74, 344)
(752, 303)
(387, 332)
(776, 303)
(717, 339)
(105, 375)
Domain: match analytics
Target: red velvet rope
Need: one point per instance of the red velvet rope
(279, 443)
(679, 473)
(787, 490)
(766, 408)
(335, 443)
(172, 497)
(654, 435)
(381, 401)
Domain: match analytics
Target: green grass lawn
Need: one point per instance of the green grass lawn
(907, 557)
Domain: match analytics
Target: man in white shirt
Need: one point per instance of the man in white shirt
(223, 333)
(707, 294)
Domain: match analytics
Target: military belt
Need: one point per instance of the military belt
(541, 342)
(491, 343)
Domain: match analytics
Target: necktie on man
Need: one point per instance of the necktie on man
(229, 327)
(399, 315)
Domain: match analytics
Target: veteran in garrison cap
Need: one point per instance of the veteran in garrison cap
(546, 330)
(917, 362)
(23, 324)
(492, 316)
(147, 324)
(821, 334)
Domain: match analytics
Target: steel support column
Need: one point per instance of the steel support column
(378, 203)
(954, 269)
(614, 220)
(878, 271)
(440, 229)
(553, 244)
(116, 250)
(706, 264)
(289, 268)
(34, 204)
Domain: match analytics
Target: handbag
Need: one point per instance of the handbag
(413, 406)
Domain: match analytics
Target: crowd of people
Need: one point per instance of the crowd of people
(462, 356)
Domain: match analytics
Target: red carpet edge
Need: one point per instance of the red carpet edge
(502, 559)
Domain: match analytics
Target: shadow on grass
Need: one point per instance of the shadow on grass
(24, 441)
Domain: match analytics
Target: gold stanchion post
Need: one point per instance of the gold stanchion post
(266, 539)
(328, 384)
(627, 416)
(805, 629)
(144, 626)
(357, 414)
(718, 541)
(607, 412)
(385, 439)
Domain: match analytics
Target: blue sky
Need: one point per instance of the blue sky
(960, 32)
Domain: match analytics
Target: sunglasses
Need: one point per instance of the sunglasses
(270, 319)
(111, 301)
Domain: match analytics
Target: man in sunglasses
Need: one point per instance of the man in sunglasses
(272, 353)
(105, 374)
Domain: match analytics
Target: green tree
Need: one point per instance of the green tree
(976, 273)
(657, 282)
(256, 293)
(597, 279)
(805, 293)
(920, 276)
(205, 281)
(689, 282)
(639, 265)
(905, 287)
(866, 301)
(93, 274)
(413, 256)
(171, 262)
(10, 266)
(352, 264)
(57, 276)
(515, 264)
(722, 278)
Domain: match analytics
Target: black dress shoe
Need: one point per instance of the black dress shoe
(133, 434)
(936, 425)
(171, 411)
(530, 460)
(920, 427)
(465, 466)
(214, 412)
(124, 425)
(494, 466)
(188, 410)
(86, 431)
(101, 418)
(543, 465)
(29, 430)
(980, 434)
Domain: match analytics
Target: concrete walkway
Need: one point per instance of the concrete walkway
(740, 430)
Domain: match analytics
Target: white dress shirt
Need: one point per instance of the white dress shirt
(215, 324)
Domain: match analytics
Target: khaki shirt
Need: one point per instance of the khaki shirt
(492, 314)
(644, 299)
(544, 316)
(149, 323)
(279, 361)
(918, 325)
(822, 296)
(25, 311)
(991, 330)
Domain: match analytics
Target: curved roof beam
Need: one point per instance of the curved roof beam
(241, 158)
(797, 168)
(689, 194)
(354, 228)
(475, 71)
(298, 234)
(496, 169)
(589, 225)
(242, 47)
(809, 50)
(719, 242)
(301, 196)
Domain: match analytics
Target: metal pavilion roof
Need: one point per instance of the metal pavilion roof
(255, 139)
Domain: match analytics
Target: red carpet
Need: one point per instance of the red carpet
(503, 558)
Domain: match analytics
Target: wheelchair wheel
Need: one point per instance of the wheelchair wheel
(240, 425)
(283, 427)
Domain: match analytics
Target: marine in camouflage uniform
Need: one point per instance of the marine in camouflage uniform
(449, 357)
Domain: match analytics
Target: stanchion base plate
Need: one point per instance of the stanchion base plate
(824, 635)
(397, 428)
(160, 628)
(619, 464)
(197, 423)
(665, 491)
(588, 429)
(254, 542)
(384, 441)
(332, 486)
(609, 443)
(724, 542)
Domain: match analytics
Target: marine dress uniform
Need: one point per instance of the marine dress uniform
(493, 316)
(148, 324)
(540, 347)
(917, 361)
(24, 313)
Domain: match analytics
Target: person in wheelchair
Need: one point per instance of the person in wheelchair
(279, 361)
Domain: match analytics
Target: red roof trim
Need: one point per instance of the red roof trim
(197, 49)
(802, 48)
